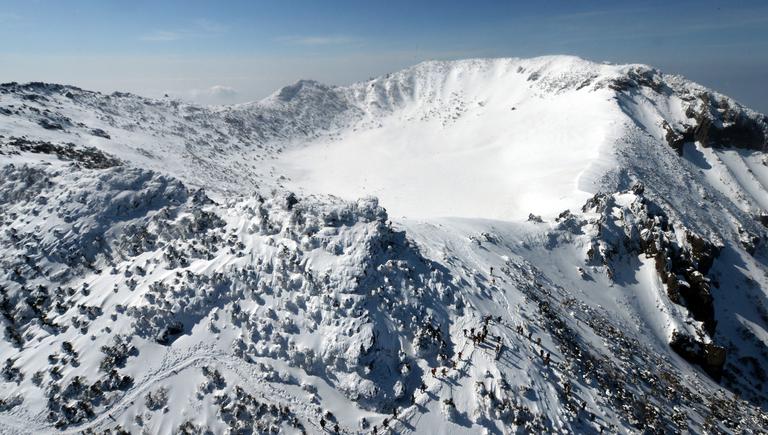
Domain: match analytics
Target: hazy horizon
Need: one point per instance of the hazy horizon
(243, 51)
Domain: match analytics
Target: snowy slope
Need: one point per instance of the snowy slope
(566, 247)
(472, 132)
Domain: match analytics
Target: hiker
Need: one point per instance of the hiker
(322, 423)
(459, 355)
(434, 372)
(423, 387)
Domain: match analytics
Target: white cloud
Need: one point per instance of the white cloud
(221, 91)
(161, 35)
(201, 28)
(316, 40)
(216, 94)
(208, 26)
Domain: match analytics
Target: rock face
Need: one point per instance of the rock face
(713, 120)
(719, 122)
(639, 76)
(709, 356)
(684, 268)
(676, 139)
(691, 263)
(681, 267)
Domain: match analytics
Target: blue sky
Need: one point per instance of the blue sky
(220, 52)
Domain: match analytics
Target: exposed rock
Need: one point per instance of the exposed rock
(89, 157)
(676, 139)
(719, 123)
(636, 77)
(763, 218)
(707, 355)
(682, 267)
(100, 133)
(50, 125)
(534, 218)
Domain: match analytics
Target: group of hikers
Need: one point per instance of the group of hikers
(481, 335)
(545, 356)
(478, 335)
(323, 423)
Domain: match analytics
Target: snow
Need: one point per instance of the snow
(489, 161)
(257, 309)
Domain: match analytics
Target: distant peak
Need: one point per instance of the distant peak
(291, 92)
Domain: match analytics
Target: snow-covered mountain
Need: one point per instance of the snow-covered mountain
(498, 245)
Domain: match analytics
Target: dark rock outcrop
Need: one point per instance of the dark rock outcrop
(676, 139)
(707, 355)
(638, 76)
(50, 125)
(718, 122)
(88, 157)
(100, 133)
(681, 266)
